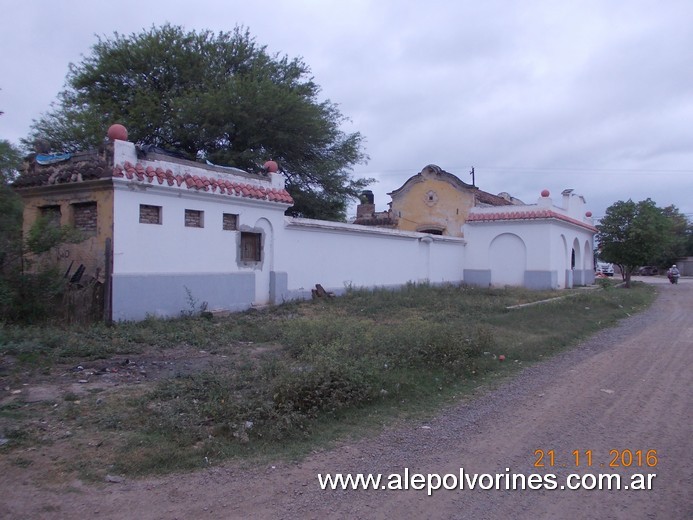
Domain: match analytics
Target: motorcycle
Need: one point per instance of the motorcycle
(673, 278)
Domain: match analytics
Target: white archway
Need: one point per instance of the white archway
(508, 260)
(564, 264)
(576, 255)
(588, 263)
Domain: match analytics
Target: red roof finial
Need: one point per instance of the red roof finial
(271, 167)
(117, 131)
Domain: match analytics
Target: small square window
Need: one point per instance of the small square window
(52, 214)
(230, 222)
(84, 217)
(251, 247)
(194, 218)
(150, 214)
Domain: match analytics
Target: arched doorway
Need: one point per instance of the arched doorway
(508, 260)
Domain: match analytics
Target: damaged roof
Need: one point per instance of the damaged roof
(47, 170)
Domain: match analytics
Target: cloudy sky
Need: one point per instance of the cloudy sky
(591, 95)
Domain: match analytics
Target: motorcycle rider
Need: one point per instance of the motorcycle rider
(673, 274)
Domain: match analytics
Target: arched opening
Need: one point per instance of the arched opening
(508, 259)
(576, 263)
(432, 231)
(588, 258)
(564, 270)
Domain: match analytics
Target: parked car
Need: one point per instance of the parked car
(605, 269)
(649, 270)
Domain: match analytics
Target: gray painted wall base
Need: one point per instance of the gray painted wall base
(583, 277)
(279, 287)
(478, 277)
(164, 295)
(589, 277)
(302, 294)
(538, 280)
(541, 280)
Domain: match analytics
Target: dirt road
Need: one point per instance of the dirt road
(628, 388)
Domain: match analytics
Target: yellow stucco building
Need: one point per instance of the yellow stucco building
(432, 201)
(72, 190)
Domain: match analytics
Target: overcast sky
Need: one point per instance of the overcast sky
(591, 95)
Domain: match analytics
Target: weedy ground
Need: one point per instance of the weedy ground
(167, 395)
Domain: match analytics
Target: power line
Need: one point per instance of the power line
(531, 169)
(589, 170)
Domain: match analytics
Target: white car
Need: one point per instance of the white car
(605, 269)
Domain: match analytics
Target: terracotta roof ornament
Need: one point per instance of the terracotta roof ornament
(117, 131)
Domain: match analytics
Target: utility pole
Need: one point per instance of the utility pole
(472, 174)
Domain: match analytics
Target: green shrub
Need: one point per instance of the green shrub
(326, 388)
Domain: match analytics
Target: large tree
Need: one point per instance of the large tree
(682, 237)
(10, 225)
(216, 97)
(633, 234)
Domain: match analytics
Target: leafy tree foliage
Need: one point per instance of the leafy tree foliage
(682, 237)
(28, 293)
(633, 234)
(10, 207)
(10, 227)
(10, 160)
(216, 97)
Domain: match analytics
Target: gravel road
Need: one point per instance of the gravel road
(627, 388)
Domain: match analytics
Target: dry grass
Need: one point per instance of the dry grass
(168, 395)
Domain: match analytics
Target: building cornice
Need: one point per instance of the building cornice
(530, 215)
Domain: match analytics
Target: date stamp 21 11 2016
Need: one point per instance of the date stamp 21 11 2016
(616, 458)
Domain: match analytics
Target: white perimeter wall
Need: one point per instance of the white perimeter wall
(155, 264)
(341, 255)
(535, 235)
(171, 247)
(541, 246)
(168, 268)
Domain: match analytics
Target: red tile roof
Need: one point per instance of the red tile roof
(527, 215)
(138, 172)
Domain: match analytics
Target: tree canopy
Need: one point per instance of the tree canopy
(215, 97)
(635, 234)
(682, 237)
(10, 218)
(10, 161)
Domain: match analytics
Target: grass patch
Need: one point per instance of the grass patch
(337, 367)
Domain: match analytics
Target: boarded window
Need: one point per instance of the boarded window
(230, 222)
(84, 217)
(51, 214)
(194, 218)
(150, 214)
(251, 247)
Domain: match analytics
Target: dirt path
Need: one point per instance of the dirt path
(627, 388)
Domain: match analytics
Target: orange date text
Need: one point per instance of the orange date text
(616, 458)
